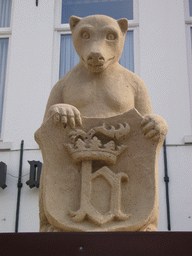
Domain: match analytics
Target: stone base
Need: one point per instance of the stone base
(101, 243)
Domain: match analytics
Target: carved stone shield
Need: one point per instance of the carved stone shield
(99, 177)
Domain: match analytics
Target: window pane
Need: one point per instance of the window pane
(114, 8)
(191, 39)
(3, 64)
(190, 7)
(5, 13)
(127, 57)
(69, 57)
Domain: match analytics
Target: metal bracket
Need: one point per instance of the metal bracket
(3, 172)
(35, 172)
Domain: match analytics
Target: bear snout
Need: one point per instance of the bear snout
(95, 59)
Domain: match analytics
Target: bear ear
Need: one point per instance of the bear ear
(73, 21)
(123, 24)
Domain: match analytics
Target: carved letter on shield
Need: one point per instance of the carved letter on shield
(87, 147)
(99, 177)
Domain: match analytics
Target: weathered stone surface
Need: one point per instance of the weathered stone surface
(129, 183)
(99, 140)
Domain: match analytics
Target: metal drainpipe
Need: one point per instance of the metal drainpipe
(166, 179)
(19, 185)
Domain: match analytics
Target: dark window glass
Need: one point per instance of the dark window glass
(114, 8)
(3, 64)
(191, 39)
(190, 7)
(5, 13)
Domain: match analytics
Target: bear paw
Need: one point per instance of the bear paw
(154, 127)
(65, 114)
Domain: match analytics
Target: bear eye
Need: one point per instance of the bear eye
(85, 35)
(111, 36)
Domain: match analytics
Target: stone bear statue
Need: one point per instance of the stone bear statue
(98, 86)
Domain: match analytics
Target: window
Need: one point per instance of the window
(82, 8)
(188, 22)
(5, 19)
(65, 56)
(190, 8)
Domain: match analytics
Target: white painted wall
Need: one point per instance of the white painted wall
(180, 189)
(29, 212)
(163, 67)
(30, 71)
(164, 63)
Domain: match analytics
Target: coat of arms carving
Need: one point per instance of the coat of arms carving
(101, 176)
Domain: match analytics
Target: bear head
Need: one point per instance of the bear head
(98, 40)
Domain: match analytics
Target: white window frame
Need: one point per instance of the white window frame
(188, 27)
(61, 29)
(6, 32)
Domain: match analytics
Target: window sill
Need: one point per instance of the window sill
(188, 139)
(5, 145)
(5, 31)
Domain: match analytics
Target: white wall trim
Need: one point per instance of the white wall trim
(5, 145)
(188, 139)
(188, 26)
(66, 27)
(5, 31)
(186, 9)
(6, 83)
(188, 22)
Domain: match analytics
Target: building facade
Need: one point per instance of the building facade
(36, 50)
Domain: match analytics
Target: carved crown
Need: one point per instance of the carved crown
(99, 143)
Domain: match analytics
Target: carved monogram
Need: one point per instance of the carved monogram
(86, 147)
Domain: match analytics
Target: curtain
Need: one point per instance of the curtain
(5, 13)
(69, 57)
(127, 57)
(3, 64)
